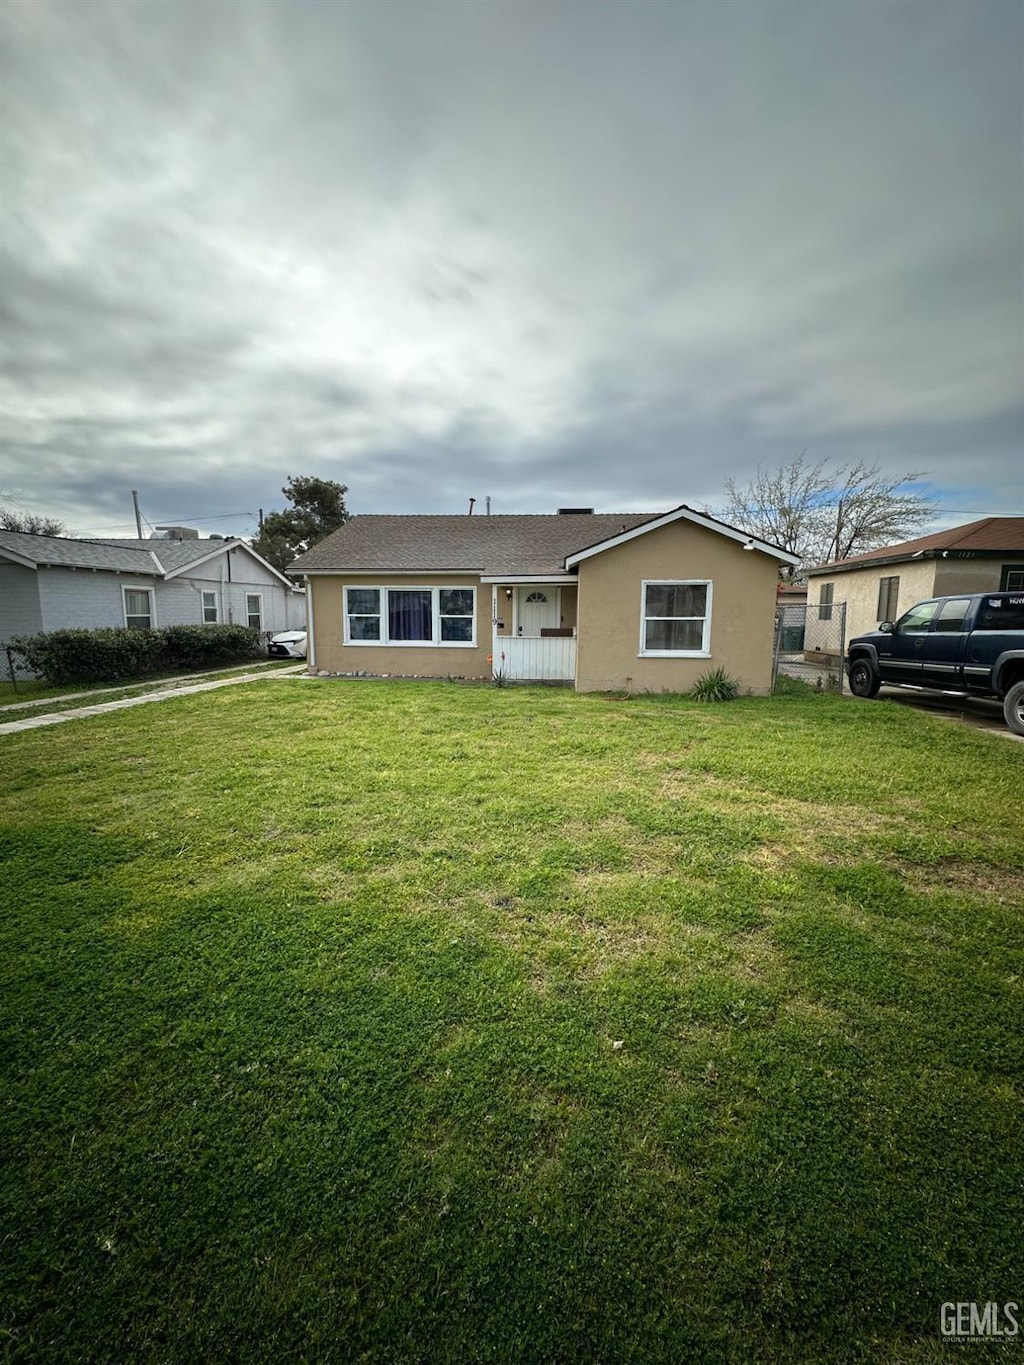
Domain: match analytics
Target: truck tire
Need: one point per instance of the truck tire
(1013, 708)
(864, 681)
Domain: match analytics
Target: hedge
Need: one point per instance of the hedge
(82, 656)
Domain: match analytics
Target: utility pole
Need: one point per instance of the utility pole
(138, 514)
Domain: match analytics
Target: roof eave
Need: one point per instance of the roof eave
(16, 558)
(917, 557)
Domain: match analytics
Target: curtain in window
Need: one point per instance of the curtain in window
(409, 614)
(138, 613)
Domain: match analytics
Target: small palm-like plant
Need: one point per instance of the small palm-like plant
(715, 685)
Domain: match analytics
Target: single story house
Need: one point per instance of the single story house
(635, 601)
(982, 556)
(56, 582)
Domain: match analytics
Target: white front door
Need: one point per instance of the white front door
(538, 609)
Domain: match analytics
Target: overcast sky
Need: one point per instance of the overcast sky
(554, 251)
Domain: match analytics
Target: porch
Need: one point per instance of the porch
(535, 659)
(534, 626)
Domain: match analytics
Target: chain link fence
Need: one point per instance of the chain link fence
(810, 645)
(13, 670)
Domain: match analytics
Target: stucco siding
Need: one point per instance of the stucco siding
(20, 612)
(917, 582)
(971, 575)
(609, 611)
(859, 590)
(435, 661)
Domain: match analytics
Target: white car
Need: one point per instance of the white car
(289, 644)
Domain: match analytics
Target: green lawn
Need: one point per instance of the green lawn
(424, 1023)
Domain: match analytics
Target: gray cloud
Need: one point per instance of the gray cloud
(554, 252)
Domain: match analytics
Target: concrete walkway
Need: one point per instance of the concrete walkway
(152, 683)
(58, 717)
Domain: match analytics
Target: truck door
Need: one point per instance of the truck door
(943, 657)
(901, 658)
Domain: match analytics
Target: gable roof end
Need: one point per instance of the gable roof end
(689, 514)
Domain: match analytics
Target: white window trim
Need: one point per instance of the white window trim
(147, 588)
(262, 617)
(705, 649)
(203, 594)
(435, 589)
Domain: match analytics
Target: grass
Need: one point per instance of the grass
(50, 699)
(416, 1022)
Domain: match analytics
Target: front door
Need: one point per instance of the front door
(538, 610)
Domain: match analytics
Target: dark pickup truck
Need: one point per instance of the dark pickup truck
(953, 644)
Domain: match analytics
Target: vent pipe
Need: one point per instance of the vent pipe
(472, 502)
(487, 504)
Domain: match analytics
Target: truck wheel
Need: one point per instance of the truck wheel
(1013, 708)
(863, 680)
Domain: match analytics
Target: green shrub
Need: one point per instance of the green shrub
(72, 656)
(114, 655)
(715, 685)
(211, 646)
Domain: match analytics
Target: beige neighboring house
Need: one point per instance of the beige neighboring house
(983, 556)
(633, 601)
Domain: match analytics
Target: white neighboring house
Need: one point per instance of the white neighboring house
(58, 583)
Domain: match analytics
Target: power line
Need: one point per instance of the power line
(975, 512)
(177, 521)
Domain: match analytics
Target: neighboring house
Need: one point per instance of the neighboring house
(644, 602)
(54, 582)
(983, 556)
(791, 615)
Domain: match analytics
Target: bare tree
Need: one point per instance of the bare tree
(872, 510)
(29, 524)
(823, 513)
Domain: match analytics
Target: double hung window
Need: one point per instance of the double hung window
(888, 598)
(676, 618)
(138, 608)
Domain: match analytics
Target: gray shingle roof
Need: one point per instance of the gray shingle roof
(174, 554)
(479, 544)
(127, 557)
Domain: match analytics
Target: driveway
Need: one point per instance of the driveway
(979, 712)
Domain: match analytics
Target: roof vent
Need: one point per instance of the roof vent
(575, 511)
